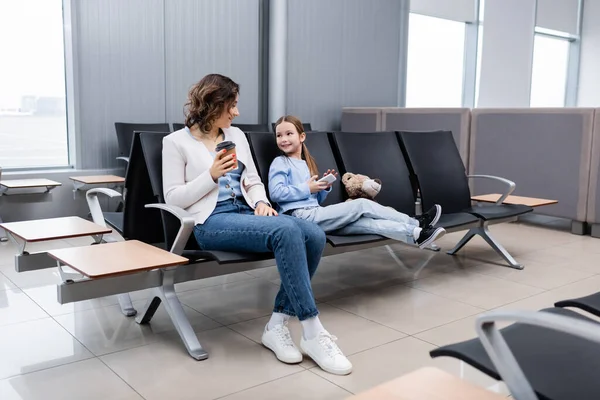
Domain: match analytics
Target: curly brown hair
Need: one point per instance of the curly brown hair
(208, 99)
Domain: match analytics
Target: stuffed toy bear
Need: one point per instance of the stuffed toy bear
(360, 186)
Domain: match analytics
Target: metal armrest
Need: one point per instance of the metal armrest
(186, 228)
(500, 353)
(511, 185)
(126, 159)
(94, 204)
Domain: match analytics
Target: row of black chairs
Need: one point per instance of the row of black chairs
(125, 132)
(406, 162)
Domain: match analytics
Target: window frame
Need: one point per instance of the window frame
(71, 95)
(465, 60)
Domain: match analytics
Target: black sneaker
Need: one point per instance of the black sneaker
(428, 235)
(431, 217)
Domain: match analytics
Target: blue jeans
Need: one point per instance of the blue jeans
(361, 216)
(297, 245)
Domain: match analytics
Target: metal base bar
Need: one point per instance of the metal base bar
(3, 237)
(595, 230)
(484, 232)
(578, 227)
(166, 294)
(34, 261)
(126, 305)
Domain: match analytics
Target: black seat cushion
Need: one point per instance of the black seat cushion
(225, 257)
(492, 212)
(349, 240)
(589, 303)
(115, 219)
(454, 220)
(559, 366)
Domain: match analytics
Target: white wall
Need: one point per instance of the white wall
(507, 53)
(589, 79)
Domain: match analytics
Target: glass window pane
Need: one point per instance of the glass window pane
(33, 123)
(435, 62)
(549, 73)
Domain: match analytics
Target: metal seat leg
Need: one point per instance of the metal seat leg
(465, 239)
(166, 294)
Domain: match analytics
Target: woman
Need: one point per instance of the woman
(293, 185)
(232, 213)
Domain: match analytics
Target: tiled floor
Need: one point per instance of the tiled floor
(388, 306)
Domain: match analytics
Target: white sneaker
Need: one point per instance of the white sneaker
(326, 354)
(279, 341)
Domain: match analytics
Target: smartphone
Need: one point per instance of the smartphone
(329, 178)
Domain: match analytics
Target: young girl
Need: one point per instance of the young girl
(293, 185)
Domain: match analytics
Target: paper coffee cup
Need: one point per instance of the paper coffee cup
(230, 147)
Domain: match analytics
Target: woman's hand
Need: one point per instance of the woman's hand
(316, 186)
(264, 210)
(222, 165)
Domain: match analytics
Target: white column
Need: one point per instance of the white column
(589, 82)
(277, 58)
(507, 53)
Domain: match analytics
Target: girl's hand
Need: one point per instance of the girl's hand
(332, 172)
(222, 165)
(316, 186)
(264, 210)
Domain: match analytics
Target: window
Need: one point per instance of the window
(435, 62)
(33, 120)
(549, 72)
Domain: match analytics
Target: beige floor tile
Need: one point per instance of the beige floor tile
(381, 364)
(89, 380)
(234, 302)
(5, 282)
(46, 297)
(457, 331)
(354, 333)
(37, 345)
(162, 370)
(387, 362)
(537, 274)
(585, 261)
(547, 299)
(16, 307)
(405, 309)
(302, 386)
(217, 280)
(31, 279)
(469, 374)
(106, 330)
(475, 289)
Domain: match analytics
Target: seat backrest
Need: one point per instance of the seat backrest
(306, 126)
(252, 127)
(125, 134)
(152, 144)
(264, 149)
(438, 168)
(177, 126)
(378, 155)
(139, 222)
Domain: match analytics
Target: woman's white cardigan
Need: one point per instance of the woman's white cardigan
(186, 173)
